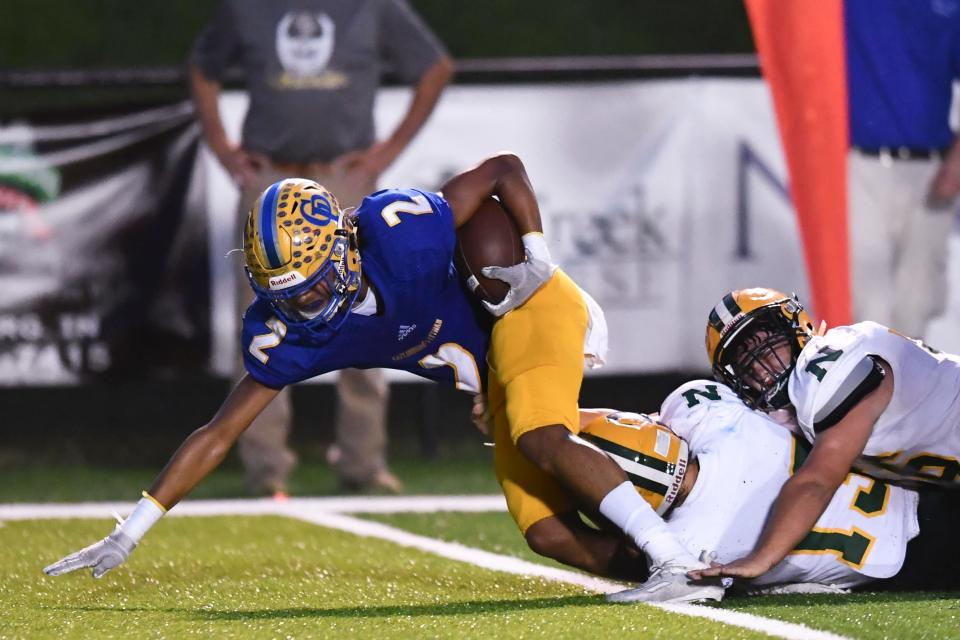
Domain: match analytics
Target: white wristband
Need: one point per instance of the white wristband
(144, 516)
(535, 246)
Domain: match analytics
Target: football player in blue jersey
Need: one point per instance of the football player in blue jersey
(378, 288)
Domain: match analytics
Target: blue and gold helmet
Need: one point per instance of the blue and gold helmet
(301, 254)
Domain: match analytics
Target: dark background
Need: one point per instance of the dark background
(38, 34)
(149, 40)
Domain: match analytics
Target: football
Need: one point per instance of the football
(489, 238)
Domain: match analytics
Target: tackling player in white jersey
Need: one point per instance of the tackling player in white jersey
(866, 396)
(737, 462)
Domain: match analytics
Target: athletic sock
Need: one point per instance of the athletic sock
(624, 507)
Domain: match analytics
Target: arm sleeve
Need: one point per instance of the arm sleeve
(697, 408)
(686, 406)
(260, 373)
(283, 367)
(218, 45)
(406, 41)
(271, 356)
(865, 376)
(413, 231)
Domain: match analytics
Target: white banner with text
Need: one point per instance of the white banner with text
(657, 197)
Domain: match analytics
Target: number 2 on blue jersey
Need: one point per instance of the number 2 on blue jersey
(419, 206)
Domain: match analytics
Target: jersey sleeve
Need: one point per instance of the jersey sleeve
(696, 409)
(270, 355)
(833, 373)
(406, 225)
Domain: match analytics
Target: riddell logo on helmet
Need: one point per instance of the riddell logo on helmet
(680, 470)
(286, 280)
(732, 323)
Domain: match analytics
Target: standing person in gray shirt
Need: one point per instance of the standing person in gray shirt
(312, 70)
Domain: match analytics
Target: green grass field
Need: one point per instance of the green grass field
(268, 577)
(253, 577)
(860, 615)
(276, 577)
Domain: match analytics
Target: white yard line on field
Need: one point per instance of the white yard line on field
(329, 512)
(455, 551)
(264, 506)
(497, 562)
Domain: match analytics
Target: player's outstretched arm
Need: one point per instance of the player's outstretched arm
(200, 453)
(205, 448)
(504, 176)
(805, 496)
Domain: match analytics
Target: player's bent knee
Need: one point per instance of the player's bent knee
(549, 538)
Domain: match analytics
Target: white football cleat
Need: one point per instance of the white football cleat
(669, 584)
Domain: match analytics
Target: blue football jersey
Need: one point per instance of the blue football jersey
(426, 323)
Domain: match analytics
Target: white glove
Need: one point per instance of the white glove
(524, 278)
(103, 556)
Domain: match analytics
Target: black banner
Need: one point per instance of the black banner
(103, 256)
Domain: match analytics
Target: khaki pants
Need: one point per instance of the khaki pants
(898, 245)
(362, 394)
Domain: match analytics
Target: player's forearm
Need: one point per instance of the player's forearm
(515, 192)
(206, 94)
(425, 98)
(206, 447)
(800, 503)
(502, 175)
(200, 454)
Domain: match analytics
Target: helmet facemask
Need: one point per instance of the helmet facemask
(758, 353)
(302, 255)
(335, 289)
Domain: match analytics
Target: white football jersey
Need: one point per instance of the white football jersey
(745, 458)
(918, 435)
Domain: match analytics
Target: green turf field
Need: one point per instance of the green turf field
(270, 577)
(253, 577)
(860, 615)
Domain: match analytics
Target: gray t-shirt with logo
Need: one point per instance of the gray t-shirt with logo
(313, 68)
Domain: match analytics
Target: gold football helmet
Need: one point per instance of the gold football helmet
(753, 339)
(301, 254)
(654, 457)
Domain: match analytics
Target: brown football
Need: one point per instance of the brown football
(489, 238)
